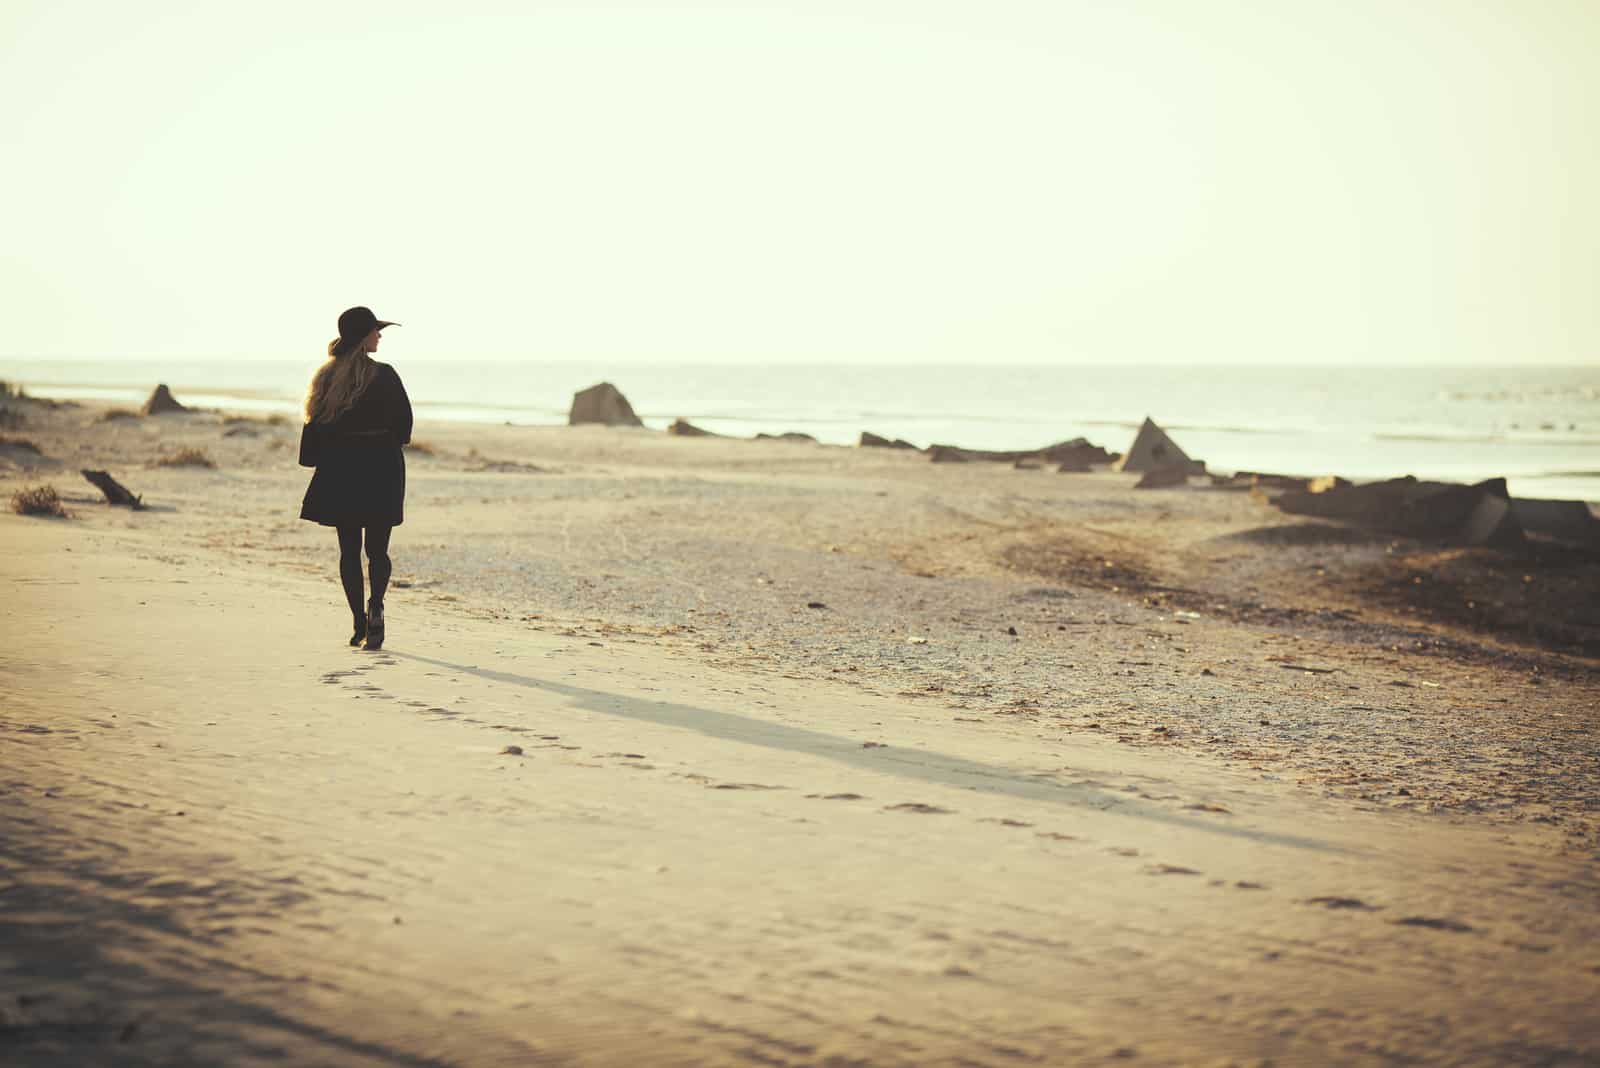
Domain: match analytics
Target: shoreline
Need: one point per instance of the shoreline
(1543, 459)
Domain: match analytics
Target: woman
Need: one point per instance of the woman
(357, 418)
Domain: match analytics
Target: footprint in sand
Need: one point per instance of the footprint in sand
(1436, 923)
(1169, 869)
(837, 797)
(1343, 903)
(918, 807)
(744, 786)
(1004, 822)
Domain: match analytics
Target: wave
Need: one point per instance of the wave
(1524, 438)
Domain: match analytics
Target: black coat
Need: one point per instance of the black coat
(361, 471)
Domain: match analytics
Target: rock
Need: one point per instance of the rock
(511, 750)
(1152, 448)
(1078, 451)
(1573, 522)
(684, 429)
(1479, 514)
(603, 403)
(1163, 478)
(869, 440)
(787, 435)
(162, 401)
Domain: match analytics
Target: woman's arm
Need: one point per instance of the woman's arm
(399, 410)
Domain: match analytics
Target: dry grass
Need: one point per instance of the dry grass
(187, 457)
(38, 500)
(8, 442)
(111, 414)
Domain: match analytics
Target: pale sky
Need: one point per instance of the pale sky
(1246, 181)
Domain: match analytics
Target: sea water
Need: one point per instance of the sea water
(1537, 426)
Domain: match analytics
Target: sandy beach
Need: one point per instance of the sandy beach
(702, 752)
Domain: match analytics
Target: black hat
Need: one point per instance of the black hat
(354, 325)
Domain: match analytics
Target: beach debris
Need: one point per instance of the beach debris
(869, 440)
(602, 403)
(682, 428)
(1077, 452)
(161, 401)
(815, 604)
(1011, 631)
(116, 492)
(511, 750)
(1152, 449)
(1479, 514)
(38, 500)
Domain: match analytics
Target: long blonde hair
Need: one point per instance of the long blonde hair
(337, 384)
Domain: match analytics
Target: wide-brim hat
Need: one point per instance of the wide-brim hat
(354, 325)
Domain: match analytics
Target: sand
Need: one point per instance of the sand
(1222, 798)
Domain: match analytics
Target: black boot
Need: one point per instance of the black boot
(374, 627)
(361, 631)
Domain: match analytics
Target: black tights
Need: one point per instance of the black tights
(350, 565)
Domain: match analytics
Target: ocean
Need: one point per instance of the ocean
(1539, 427)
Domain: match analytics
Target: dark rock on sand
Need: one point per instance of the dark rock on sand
(1572, 522)
(1152, 449)
(162, 401)
(869, 440)
(1077, 451)
(684, 429)
(788, 435)
(602, 403)
(1479, 514)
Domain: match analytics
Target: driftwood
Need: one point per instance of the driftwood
(116, 492)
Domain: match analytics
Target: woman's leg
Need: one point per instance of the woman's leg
(378, 562)
(350, 571)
